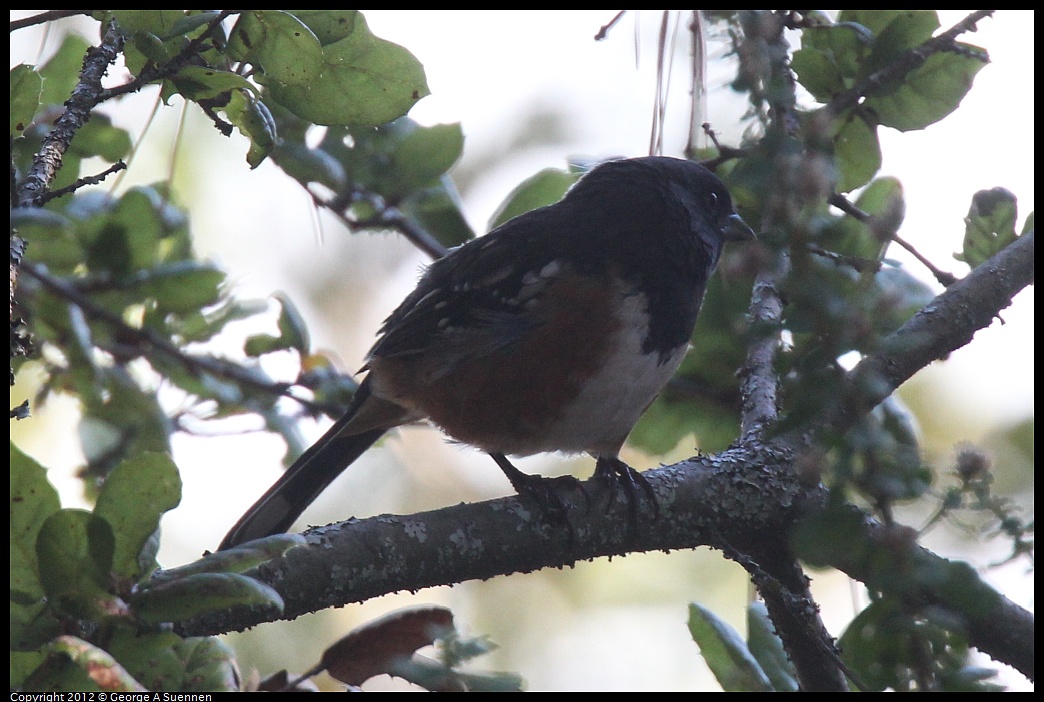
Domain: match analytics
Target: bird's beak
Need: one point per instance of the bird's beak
(735, 229)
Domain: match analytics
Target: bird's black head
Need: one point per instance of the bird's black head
(661, 222)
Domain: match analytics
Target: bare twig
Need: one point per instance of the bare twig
(86, 180)
(604, 31)
(386, 217)
(842, 203)
(45, 17)
(698, 92)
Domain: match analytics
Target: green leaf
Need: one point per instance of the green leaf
(870, 22)
(33, 500)
(22, 663)
(75, 551)
(438, 208)
(989, 226)
(144, 49)
(857, 152)
(253, 120)
(364, 81)
(329, 26)
(126, 239)
(880, 642)
(197, 595)
(292, 326)
(90, 662)
(833, 535)
(135, 495)
(61, 73)
(279, 44)
(99, 138)
(767, 648)
(881, 456)
(165, 662)
(119, 422)
(726, 653)
(897, 294)
(293, 332)
(234, 560)
(26, 88)
(545, 188)
(425, 154)
(189, 23)
(306, 165)
(818, 73)
(257, 345)
(155, 37)
(883, 200)
(158, 22)
(930, 92)
(872, 645)
(202, 83)
(183, 287)
(908, 29)
(829, 59)
(204, 325)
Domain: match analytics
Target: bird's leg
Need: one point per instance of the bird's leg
(541, 489)
(618, 474)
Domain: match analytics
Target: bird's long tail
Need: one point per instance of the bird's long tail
(302, 482)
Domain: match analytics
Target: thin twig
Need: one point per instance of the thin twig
(45, 17)
(386, 217)
(842, 203)
(604, 31)
(857, 263)
(698, 91)
(172, 66)
(86, 180)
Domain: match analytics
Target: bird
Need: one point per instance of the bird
(554, 332)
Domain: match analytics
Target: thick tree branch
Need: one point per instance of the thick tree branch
(767, 557)
(895, 564)
(729, 498)
(944, 325)
(702, 501)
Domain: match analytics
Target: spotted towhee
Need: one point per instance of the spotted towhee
(553, 332)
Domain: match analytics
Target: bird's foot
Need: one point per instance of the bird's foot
(546, 492)
(620, 475)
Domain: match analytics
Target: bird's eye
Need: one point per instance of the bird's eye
(712, 200)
